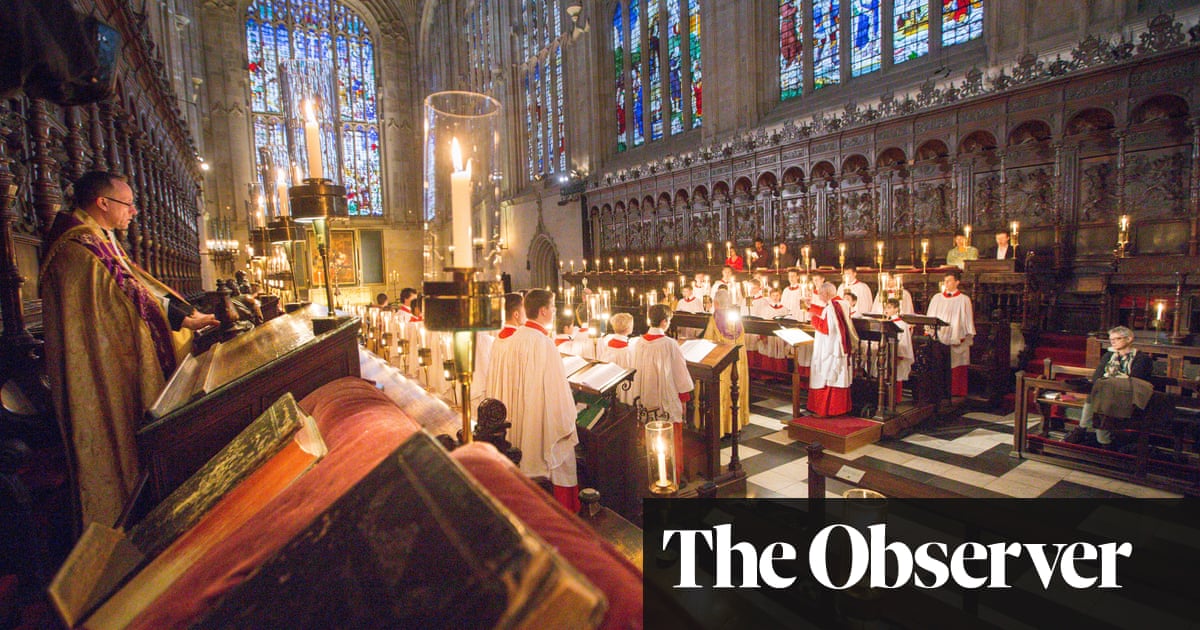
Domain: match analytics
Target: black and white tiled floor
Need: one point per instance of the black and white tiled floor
(968, 455)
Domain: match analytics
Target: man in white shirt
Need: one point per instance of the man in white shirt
(1002, 250)
(860, 289)
(954, 307)
(526, 374)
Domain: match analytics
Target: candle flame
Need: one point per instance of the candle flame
(310, 112)
(456, 155)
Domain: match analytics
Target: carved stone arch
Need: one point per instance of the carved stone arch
(663, 205)
(543, 261)
(932, 149)
(648, 208)
(742, 188)
(720, 192)
(1089, 120)
(700, 195)
(823, 172)
(767, 182)
(620, 211)
(606, 212)
(681, 200)
(978, 141)
(594, 212)
(1033, 130)
(1157, 108)
(891, 157)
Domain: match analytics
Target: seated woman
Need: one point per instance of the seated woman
(1121, 360)
(961, 252)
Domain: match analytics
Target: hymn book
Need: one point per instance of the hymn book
(573, 363)
(266, 457)
(695, 350)
(793, 336)
(416, 543)
(600, 376)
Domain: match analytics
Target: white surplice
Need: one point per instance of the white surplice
(771, 345)
(830, 362)
(619, 349)
(904, 349)
(662, 374)
(861, 291)
(906, 304)
(955, 309)
(690, 305)
(483, 355)
(526, 374)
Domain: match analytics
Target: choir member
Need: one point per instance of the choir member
(689, 304)
(514, 317)
(1002, 250)
(904, 344)
(906, 301)
(792, 296)
(753, 341)
(526, 374)
(772, 349)
(407, 296)
(954, 307)
(785, 258)
(829, 384)
(662, 380)
(616, 347)
(850, 282)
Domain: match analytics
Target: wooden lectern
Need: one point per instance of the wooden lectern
(708, 371)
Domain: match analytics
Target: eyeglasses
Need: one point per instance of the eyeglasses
(123, 203)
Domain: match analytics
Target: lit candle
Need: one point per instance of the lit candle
(748, 252)
(879, 248)
(967, 233)
(281, 188)
(659, 257)
(312, 141)
(671, 288)
(573, 265)
(709, 245)
(660, 452)
(642, 262)
(841, 249)
(1160, 311)
(1124, 222)
(676, 262)
(624, 263)
(924, 247)
(421, 332)
(1015, 228)
(585, 266)
(610, 264)
(460, 206)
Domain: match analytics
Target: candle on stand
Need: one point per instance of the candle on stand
(1015, 228)
(676, 262)
(573, 265)
(281, 189)
(1160, 311)
(671, 288)
(728, 249)
(642, 262)
(624, 263)
(709, 246)
(312, 141)
(879, 254)
(967, 233)
(610, 264)
(749, 252)
(460, 206)
(924, 247)
(659, 257)
(1124, 222)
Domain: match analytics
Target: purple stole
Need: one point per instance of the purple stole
(144, 302)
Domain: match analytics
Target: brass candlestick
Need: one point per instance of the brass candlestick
(402, 350)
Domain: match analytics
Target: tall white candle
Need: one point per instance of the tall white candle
(460, 206)
(660, 451)
(312, 141)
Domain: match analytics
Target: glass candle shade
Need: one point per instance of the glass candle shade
(461, 137)
(311, 117)
(660, 457)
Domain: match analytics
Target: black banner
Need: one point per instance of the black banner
(893, 563)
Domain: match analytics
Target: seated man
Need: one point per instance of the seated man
(662, 380)
(1121, 360)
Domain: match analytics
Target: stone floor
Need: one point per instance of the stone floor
(968, 455)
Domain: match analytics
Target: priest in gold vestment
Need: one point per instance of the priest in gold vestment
(114, 335)
(725, 327)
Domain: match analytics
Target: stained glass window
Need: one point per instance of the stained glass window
(544, 82)
(278, 30)
(910, 39)
(619, 72)
(962, 21)
(791, 49)
(635, 70)
(646, 92)
(826, 63)
(696, 79)
(674, 72)
(654, 74)
(867, 53)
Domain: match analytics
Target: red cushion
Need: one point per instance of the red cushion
(602, 564)
(361, 426)
(842, 425)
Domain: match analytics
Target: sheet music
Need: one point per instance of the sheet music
(573, 363)
(694, 350)
(598, 377)
(793, 336)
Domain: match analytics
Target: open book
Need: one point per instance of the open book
(573, 363)
(279, 446)
(694, 350)
(189, 382)
(599, 376)
(793, 336)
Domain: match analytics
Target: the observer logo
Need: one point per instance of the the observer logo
(890, 565)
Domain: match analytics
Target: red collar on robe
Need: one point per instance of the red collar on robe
(689, 299)
(406, 309)
(653, 334)
(507, 331)
(538, 327)
(950, 295)
(794, 287)
(416, 318)
(561, 339)
(776, 306)
(618, 342)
